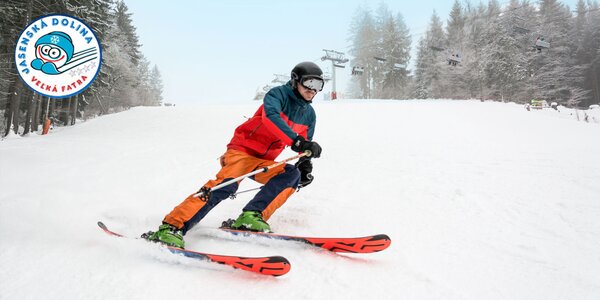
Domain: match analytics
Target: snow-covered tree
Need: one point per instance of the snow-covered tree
(381, 49)
(556, 77)
(452, 77)
(156, 86)
(473, 70)
(395, 47)
(129, 39)
(586, 39)
(364, 39)
(396, 83)
(430, 60)
(503, 67)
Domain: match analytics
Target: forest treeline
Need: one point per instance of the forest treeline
(511, 51)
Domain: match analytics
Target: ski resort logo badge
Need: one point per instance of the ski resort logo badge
(58, 56)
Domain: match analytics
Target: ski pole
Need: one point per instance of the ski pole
(246, 191)
(262, 170)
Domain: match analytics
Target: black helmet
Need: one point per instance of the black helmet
(306, 68)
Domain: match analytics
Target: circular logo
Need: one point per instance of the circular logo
(58, 56)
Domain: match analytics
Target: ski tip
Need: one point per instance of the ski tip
(101, 225)
(276, 266)
(108, 231)
(383, 240)
(279, 259)
(368, 244)
(381, 237)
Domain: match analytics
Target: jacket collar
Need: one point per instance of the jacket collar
(296, 95)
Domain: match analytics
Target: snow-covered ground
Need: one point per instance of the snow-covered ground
(481, 200)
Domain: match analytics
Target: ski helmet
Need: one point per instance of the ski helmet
(306, 68)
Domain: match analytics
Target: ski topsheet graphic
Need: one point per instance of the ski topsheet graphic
(267, 265)
(367, 244)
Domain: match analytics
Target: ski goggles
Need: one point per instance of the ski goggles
(312, 83)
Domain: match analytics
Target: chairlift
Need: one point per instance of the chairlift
(260, 95)
(268, 87)
(281, 78)
(454, 59)
(398, 66)
(541, 43)
(339, 66)
(379, 58)
(519, 26)
(358, 70)
(520, 29)
(436, 47)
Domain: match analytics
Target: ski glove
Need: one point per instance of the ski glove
(300, 145)
(305, 167)
(206, 193)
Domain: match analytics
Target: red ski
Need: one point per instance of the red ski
(268, 265)
(367, 244)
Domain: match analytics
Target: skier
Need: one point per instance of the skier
(286, 118)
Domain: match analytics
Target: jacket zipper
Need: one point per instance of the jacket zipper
(255, 129)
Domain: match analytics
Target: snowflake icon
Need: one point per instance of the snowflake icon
(55, 40)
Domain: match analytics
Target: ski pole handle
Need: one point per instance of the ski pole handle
(306, 153)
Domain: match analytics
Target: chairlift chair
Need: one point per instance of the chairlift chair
(268, 87)
(519, 26)
(436, 47)
(520, 29)
(454, 59)
(358, 70)
(260, 95)
(541, 43)
(379, 58)
(398, 66)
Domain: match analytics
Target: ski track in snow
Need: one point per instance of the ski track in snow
(481, 200)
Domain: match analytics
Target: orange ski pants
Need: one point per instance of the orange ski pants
(279, 184)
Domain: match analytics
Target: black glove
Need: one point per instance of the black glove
(205, 194)
(305, 167)
(301, 145)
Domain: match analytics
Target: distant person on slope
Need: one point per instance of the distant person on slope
(286, 118)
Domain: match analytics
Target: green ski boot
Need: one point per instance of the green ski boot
(251, 220)
(167, 234)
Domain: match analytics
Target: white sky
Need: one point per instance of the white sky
(223, 51)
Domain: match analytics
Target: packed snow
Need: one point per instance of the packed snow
(482, 200)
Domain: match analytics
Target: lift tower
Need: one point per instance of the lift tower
(338, 60)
